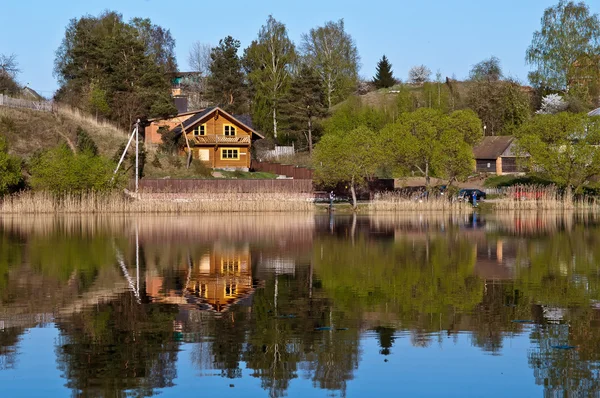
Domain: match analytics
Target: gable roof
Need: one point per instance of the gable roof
(209, 111)
(492, 147)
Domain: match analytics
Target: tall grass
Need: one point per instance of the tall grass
(77, 115)
(393, 202)
(45, 203)
(536, 197)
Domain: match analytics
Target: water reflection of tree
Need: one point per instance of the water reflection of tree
(118, 346)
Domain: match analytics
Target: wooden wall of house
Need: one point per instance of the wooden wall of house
(485, 165)
(214, 156)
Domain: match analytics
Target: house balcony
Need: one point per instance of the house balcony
(217, 139)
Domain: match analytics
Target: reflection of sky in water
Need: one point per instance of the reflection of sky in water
(454, 368)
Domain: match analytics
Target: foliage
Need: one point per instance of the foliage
(304, 102)
(384, 77)
(85, 143)
(268, 62)
(419, 74)
(10, 170)
(566, 48)
(60, 171)
(551, 104)
(171, 141)
(122, 66)
(332, 53)
(226, 81)
(500, 104)
(562, 147)
(488, 70)
(352, 114)
(432, 143)
(349, 156)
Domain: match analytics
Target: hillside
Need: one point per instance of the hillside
(28, 131)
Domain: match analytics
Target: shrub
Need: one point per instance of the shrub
(10, 170)
(201, 169)
(61, 171)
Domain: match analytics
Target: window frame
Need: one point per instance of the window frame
(231, 128)
(199, 128)
(237, 151)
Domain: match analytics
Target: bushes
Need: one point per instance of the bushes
(59, 171)
(10, 170)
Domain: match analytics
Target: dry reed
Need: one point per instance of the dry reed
(533, 197)
(392, 202)
(45, 203)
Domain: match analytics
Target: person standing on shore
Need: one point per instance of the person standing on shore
(331, 196)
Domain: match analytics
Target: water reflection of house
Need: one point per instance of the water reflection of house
(214, 281)
(495, 259)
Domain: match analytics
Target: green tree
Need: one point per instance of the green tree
(487, 70)
(384, 77)
(565, 51)
(269, 61)
(562, 147)
(351, 157)
(331, 51)
(226, 80)
(116, 68)
(304, 103)
(432, 143)
(10, 170)
(501, 104)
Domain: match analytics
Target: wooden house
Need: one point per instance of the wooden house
(219, 139)
(496, 155)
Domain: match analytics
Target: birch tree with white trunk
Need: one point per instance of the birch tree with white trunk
(331, 51)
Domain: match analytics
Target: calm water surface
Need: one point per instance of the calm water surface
(300, 305)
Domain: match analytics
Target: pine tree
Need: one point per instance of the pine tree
(304, 103)
(384, 77)
(226, 81)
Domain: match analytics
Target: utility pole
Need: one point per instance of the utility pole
(134, 134)
(137, 154)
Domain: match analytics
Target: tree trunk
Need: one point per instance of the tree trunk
(427, 179)
(310, 136)
(274, 122)
(353, 191)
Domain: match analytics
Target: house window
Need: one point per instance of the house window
(230, 266)
(230, 154)
(200, 130)
(230, 289)
(228, 129)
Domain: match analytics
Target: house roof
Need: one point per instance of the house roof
(595, 112)
(178, 115)
(242, 120)
(492, 147)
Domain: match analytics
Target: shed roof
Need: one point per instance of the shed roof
(492, 147)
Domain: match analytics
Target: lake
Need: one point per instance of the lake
(273, 305)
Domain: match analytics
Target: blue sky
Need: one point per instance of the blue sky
(449, 35)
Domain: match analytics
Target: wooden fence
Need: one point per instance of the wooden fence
(46, 106)
(295, 172)
(280, 151)
(224, 186)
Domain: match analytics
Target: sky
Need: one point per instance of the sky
(445, 35)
